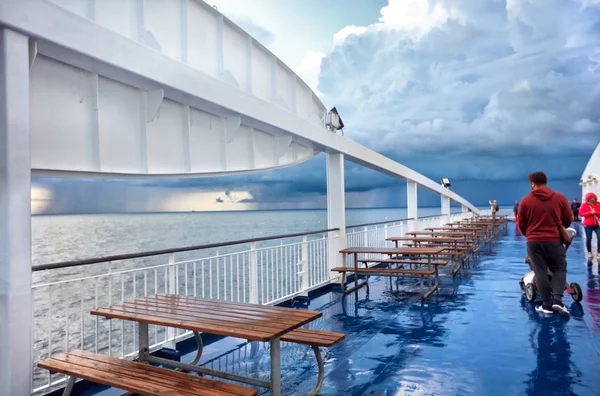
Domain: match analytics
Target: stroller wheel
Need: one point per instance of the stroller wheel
(530, 292)
(576, 292)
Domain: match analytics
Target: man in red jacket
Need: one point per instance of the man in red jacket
(540, 214)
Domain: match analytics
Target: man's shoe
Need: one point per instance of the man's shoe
(544, 309)
(560, 308)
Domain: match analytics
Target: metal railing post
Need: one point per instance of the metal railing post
(385, 234)
(253, 287)
(304, 268)
(171, 289)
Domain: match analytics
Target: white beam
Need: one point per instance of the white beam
(412, 205)
(187, 123)
(95, 130)
(143, 136)
(249, 66)
(232, 126)
(445, 210)
(283, 144)
(273, 79)
(154, 99)
(220, 57)
(336, 208)
(15, 216)
(92, 10)
(33, 50)
(184, 30)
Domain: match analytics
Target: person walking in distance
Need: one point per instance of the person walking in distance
(575, 208)
(516, 211)
(541, 213)
(493, 208)
(590, 210)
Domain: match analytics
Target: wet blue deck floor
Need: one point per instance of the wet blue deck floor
(477, 335)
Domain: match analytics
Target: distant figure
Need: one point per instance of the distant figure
(493, 208)
(590, 210)
(516, 211)
(541, 213)
(575, 208)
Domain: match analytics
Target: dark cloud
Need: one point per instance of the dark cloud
(513, 83)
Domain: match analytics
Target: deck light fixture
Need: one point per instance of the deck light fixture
(446, 182)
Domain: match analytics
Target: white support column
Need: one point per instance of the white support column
(412, 205)
(465, 213)
(15, 216)
(336, 209)
(445, 210)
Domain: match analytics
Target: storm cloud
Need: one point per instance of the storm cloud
(482, 92)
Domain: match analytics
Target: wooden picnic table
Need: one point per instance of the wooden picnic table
(467, 237)
(449, 240)
(437, 234)
(235, 319)
(399, 251)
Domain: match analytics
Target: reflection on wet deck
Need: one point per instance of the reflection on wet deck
(477, 335)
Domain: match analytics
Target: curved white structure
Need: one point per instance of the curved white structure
(173, 89)
(590, 178)
(115, 97)
(147, 88)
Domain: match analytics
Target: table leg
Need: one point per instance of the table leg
(275, 367)
(69, 387)
(143, 342)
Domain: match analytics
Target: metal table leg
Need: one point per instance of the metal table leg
(143, 342)
(69, 387)
(321, 375)
(276, 366)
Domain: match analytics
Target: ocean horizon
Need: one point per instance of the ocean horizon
(452, 209)
(67, 237)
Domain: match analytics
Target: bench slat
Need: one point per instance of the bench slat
(386, 271)
(400, 261)
(313, 337)
(138, 377)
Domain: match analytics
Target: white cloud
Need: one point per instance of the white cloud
(417, 17)
(471, 77)
(347, 31)
(310, 68)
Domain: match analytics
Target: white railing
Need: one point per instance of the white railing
(265, 271)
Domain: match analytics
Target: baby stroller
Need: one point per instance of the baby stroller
(529, 288)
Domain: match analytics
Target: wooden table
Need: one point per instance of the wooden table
(442, 239)
(402, 251)
(436, 234)
(249, 321)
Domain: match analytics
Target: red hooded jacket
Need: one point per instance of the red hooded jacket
(585, 210)
(534, 220)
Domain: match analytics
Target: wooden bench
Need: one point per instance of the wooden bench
(412, 273)
(139, 378)
(316, 339)
(404, 261)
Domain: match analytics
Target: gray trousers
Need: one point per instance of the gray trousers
(546, 256)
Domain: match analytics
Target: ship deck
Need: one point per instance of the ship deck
(476, 335)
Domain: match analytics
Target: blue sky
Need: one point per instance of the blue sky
(482, 91)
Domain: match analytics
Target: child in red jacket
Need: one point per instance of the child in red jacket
(590, 210)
